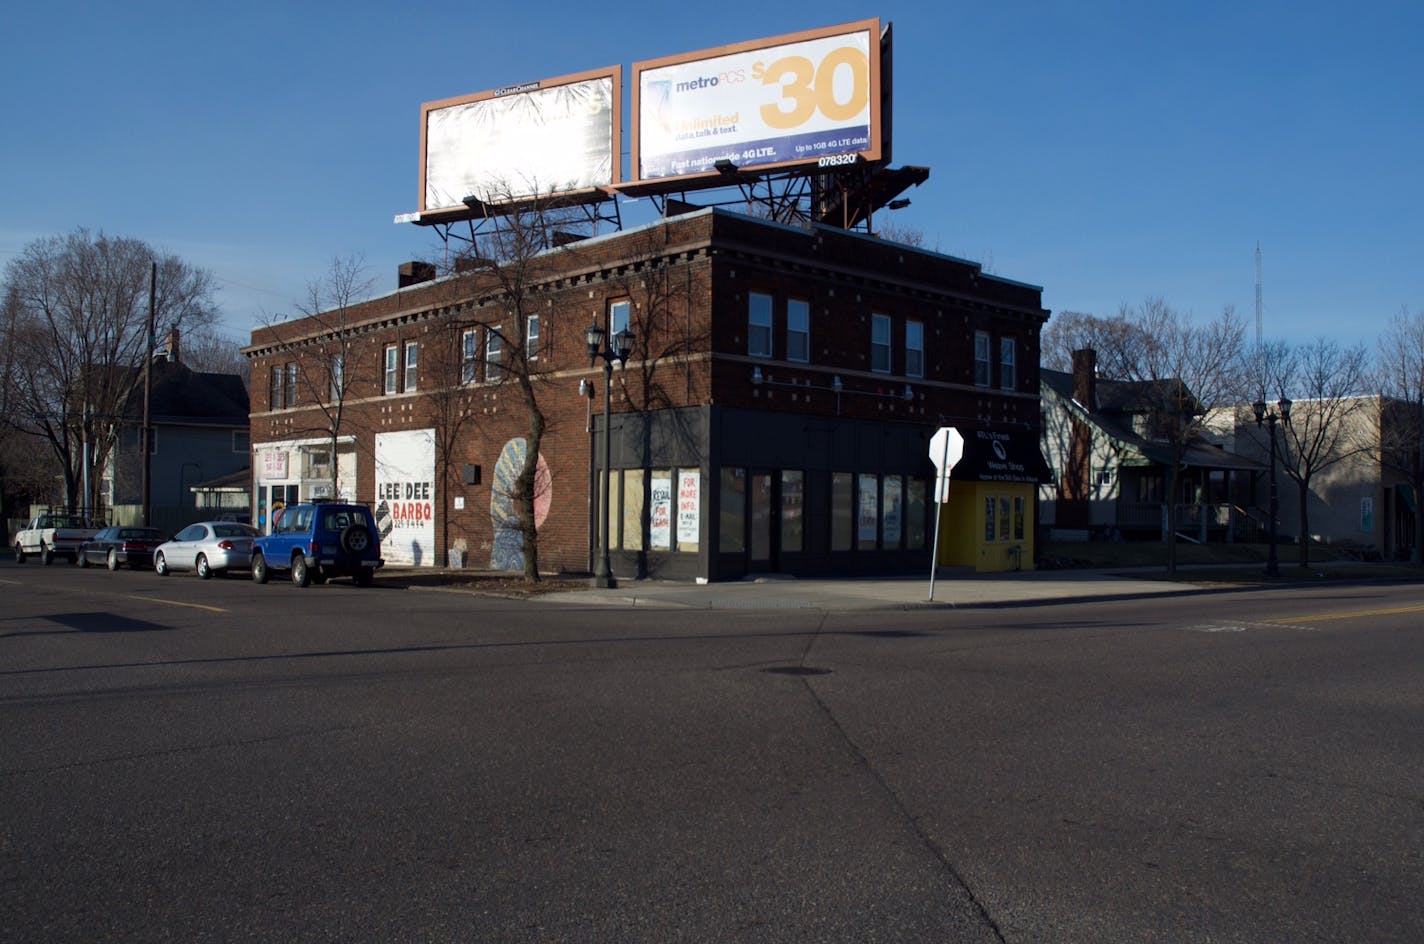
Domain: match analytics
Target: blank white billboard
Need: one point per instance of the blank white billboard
(808, 98)
(551, 136)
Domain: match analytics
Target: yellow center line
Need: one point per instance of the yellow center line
(196, 606)
(1356, 614)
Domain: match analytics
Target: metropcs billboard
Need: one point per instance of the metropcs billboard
(807, 98)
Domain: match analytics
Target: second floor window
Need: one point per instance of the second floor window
(392, 369)
(412, 358)
(469, 354)
(531, 338)
(981, 359)
(914, 349)
(1008, 362)
(338, 377)
(798, 330)
(619, 313)
(291, 385)
(274, 390)
(880, 343)
(759, 325)
(494, 353)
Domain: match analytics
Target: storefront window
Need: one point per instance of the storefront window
(842, 510)
(732, 520)
(689, 510)
(1004, 518)
(633, 510)
(661, 510)
(990, 504)
(792, 511)
(894, 510)
(1018, 518)
(915, 514)
(868, 515)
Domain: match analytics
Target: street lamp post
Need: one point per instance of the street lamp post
(619, 350)
(1281, 413)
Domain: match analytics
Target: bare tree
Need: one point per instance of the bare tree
(1184, 370)
(208, 349)
(1399, 371)
(79, 326)
(1324, 380)
(1115, 339)
(510, 267)
(327, 348)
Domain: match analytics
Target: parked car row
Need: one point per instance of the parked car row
(310, 542)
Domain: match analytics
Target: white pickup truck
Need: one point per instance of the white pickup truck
(53, 534)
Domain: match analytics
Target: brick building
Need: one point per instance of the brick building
(774, 415)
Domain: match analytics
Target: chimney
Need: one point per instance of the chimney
(1085, 378)
(413, 273)
(168, 350)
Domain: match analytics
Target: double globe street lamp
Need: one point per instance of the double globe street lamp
(595, 335)
(1280, 413)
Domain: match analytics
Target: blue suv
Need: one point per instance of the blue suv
(317, 541)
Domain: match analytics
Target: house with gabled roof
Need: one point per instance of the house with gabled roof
(200, 434)
(1109, 464)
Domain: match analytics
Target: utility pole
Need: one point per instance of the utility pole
(146, 439)
(1258, 293)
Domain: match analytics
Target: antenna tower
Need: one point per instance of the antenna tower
(1258, 293)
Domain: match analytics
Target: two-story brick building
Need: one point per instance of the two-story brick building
(774, 415)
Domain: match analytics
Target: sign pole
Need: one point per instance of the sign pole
(944, 468)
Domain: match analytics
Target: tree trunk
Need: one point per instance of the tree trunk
(528, 486)
(1304, 538)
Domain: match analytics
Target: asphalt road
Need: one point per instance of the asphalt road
(186, 760)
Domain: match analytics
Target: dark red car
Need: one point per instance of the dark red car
(121, 544)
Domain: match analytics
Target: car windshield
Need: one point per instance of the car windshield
(139, 534)
(234, 531)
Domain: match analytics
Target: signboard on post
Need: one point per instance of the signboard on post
(946, 449)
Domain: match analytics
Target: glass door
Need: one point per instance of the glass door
(762, 521)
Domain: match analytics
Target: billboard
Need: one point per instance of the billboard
(551, 136)
(806, 98)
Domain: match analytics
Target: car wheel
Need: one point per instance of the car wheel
(19, 553)
(81, 559)
(160, 564)
(113, 559)
(259, 568)
(364, 576)
(301, 576)
(204, 571)
(355, 539)
(46, 555)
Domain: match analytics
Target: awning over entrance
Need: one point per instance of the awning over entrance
(1001, 456)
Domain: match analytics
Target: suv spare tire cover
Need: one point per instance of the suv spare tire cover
(355, 539)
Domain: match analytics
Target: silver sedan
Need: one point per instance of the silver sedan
(207, 547)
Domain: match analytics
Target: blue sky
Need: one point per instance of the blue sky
(1107, 151)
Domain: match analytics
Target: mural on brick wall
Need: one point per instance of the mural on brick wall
(508, 550)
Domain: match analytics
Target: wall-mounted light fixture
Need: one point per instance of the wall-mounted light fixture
(725, 166)
(760, 379)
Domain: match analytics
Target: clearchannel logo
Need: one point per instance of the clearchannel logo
(730, 77)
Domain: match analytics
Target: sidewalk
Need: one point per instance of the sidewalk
(881, 593)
